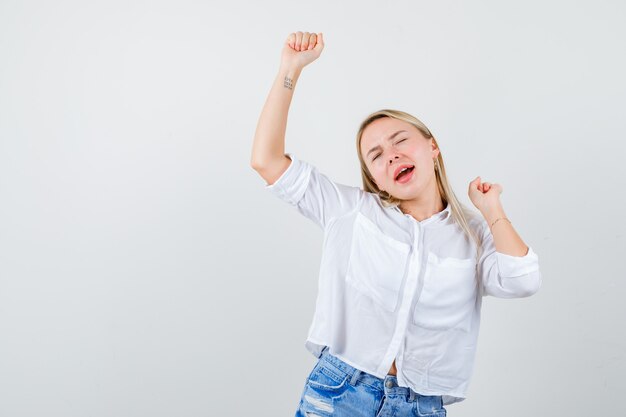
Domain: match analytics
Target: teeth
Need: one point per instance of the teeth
(402, 170)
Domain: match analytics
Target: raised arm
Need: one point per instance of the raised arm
(508, 267)
(268, 148)
(486, 197)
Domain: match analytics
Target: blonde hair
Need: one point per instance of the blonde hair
(460, 213)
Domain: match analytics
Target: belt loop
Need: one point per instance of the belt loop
(411, 395)
(355, 377)
(324, 349)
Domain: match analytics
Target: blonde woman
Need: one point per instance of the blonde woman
(405, 265)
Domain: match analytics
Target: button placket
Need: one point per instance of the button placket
(413, 283)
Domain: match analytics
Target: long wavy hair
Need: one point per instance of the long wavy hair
(460, 213)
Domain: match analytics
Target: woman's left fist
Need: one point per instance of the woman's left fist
(484, 195)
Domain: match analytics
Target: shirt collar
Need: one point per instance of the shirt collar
(437, 217)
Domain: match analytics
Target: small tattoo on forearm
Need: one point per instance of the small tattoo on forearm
(288, 83)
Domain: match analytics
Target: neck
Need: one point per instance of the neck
(421, 209)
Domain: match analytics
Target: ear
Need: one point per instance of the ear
(435, 149)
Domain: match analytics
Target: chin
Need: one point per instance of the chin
(405, 195)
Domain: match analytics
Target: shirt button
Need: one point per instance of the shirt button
(389, 383)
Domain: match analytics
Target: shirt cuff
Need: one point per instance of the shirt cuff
(292, 184)
(514, 266)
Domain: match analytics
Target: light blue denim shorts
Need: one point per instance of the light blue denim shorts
(334, 388)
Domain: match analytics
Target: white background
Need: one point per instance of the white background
(145, 270)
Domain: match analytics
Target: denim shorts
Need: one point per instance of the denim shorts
(334, 388)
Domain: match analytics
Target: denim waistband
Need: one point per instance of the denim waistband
(388, 385)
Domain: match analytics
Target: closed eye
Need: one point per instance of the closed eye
(402, 140)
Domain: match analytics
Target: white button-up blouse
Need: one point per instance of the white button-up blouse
(392, 287)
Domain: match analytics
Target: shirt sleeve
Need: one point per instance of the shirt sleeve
(313, 194)
(507, 276)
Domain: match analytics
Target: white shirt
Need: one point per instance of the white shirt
(392, 287)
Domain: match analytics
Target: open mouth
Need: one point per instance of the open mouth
(405, 174)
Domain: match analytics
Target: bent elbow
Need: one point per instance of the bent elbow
(531, 285)
(514, 287)
(534, 284)
(256, 164)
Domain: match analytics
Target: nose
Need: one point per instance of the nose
(391, 160)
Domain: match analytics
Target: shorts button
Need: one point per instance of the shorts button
(389, 383)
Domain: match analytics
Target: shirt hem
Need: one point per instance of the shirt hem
(448, 397)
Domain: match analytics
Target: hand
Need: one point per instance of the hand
(301, 49)
(485, 196)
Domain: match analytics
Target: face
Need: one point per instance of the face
(387, 146)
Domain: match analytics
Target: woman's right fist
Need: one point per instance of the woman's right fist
(300, 49)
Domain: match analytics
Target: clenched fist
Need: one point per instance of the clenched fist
(484, 195)
(300, 49)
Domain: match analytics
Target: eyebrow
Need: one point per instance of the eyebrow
(377, 147)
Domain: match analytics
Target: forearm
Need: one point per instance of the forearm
(269, 138)
(505, 238)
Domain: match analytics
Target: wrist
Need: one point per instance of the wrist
(290, 71)
(493, 212)
(287, 77)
